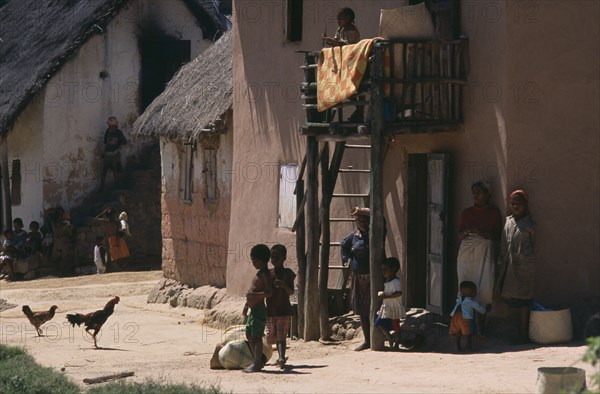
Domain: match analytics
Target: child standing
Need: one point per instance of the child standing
(100, 255)
(392, 309)
(279, 309)
(517, 260)
(463, 321)
(260, 288)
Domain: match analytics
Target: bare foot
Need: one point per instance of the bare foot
(253, 368)
(362, 346)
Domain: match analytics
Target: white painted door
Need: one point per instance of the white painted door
(437, 185)
(288, 174)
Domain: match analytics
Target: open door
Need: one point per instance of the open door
(437, 200)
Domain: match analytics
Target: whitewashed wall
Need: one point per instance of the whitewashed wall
(60, 135)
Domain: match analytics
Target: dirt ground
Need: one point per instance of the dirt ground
(169, 344)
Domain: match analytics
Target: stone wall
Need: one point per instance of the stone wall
(222, 310)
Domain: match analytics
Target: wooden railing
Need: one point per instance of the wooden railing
(423, 82)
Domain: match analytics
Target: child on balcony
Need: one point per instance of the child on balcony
(347, 32)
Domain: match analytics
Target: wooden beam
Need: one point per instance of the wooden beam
(301, 256)
(325, 239)
(311, 292)
(107, 378)
(5, 179)
(376, 230)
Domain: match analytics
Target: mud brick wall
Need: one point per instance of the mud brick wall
(194, 249)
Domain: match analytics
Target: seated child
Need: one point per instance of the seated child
(279, 309)
(19, 237)
(8, 255)
(392, 309)
(463, 322)
(33, 244)
(260, 288)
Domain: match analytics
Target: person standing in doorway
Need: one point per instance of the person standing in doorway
(113, 140)
(479, 231)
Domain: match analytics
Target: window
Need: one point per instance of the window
(288, 174)
(15, 186)
(210, 175)
(293, 31)
(187, 170)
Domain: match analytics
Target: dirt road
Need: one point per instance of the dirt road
(159, 342)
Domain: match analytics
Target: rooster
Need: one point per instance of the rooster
(39, 318)
(94, 320)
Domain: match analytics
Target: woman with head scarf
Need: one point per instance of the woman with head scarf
(479, 232)
(517, 260)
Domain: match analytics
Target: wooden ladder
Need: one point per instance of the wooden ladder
(343, 273)
(329, 172)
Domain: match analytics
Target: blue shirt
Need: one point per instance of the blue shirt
(467, 305)
(355, 247)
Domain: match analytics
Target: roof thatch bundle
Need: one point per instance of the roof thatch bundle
(197, 99)
(38, 37)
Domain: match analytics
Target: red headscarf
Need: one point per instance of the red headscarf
(522, 193)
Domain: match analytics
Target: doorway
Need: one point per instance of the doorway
(427, 222)
(161, 58)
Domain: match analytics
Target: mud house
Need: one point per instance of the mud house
(193, 119)
(519, 111)
(68, 65)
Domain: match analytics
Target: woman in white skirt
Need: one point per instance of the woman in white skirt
(479, 229)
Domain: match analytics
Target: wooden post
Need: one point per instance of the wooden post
(300, 256)
(311, 289)
(6, 201)
(325, 239)
(376, 231)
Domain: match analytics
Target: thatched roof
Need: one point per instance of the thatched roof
(197, 99)
(38, 37)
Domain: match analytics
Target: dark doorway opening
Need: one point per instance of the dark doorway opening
(161, 58)
(416, 237)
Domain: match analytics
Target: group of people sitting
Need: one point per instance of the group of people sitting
(20, 244)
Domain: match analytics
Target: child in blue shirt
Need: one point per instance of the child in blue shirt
(463, 322)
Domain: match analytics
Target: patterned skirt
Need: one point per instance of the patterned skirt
(360, 294)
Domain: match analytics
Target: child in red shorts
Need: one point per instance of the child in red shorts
(463, 322)
(279, 309)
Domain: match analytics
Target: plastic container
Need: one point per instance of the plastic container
(560, 380)
(549, 327)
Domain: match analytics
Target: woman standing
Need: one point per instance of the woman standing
(117, 245)
(355, 252)
(479, 231)
(517, 260)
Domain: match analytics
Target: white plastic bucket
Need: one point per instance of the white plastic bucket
(548, 327)
(560, 380)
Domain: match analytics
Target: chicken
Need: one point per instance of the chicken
(94, 320)
(39, 318)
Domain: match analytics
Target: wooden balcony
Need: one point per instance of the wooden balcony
(412, 86)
